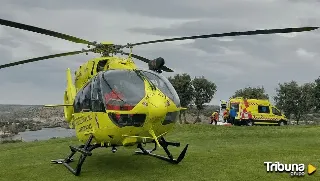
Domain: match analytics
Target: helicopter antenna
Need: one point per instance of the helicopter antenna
(107, 49)
(130, 54)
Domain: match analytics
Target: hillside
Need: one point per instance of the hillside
(215, 153)
(37, 113)
(17, 118)
(29, 111)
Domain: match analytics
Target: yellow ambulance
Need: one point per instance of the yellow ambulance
(256, 111)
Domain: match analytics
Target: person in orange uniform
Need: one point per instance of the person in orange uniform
(226, 115)
(214, 117)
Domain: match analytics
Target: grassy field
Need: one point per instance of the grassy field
(215, 153)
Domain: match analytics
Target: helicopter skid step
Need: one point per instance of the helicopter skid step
(81, 150)
(164, 144)
(85, 151)
(61, 161)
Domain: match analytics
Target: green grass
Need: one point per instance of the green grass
(215, 153)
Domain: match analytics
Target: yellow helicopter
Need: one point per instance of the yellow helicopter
(113, 103)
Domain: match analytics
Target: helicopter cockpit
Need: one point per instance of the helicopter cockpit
(120, 90)
(163, 84)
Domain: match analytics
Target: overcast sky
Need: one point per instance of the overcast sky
(232, 63)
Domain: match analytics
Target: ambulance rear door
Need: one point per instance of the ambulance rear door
(236, 105)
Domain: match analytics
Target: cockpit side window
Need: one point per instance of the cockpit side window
(85, 99)
(82, 101)
(76, 104)
(96, 96)
(164, 85)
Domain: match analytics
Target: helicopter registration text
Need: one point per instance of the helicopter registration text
(83, 120)
(85, 127)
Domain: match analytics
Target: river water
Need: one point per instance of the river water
(45, 134)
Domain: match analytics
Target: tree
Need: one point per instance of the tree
(294, 99)
(307, 99)
(204, 91)
(286, 97)
(251, 93)
(183, 85)
(317, 94)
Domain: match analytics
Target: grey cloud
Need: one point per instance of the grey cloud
(268, 47)
(302, 1)
(183, 9)
(143, 7)
(264, 60)
(48, 73)
(198, 26)
(259, 60)
(6, 41)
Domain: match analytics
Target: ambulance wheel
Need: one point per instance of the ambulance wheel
(282, 123)
(250, 122)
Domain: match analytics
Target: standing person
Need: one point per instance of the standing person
(232, 115)
(226, 115)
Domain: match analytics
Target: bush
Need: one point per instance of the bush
(10, 141)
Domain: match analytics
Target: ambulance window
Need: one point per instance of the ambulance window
(235, 106)
(263, 109)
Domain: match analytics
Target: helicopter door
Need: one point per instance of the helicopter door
(85, 98)
(76, 104)
(96, 96)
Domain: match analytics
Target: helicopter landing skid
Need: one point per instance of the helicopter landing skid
(85, 151)
(60, 161)
(164, 144)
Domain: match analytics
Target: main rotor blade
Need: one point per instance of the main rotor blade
(41, 58)
(164, 68)
(255, 32)
(44, 31)
(138, 57)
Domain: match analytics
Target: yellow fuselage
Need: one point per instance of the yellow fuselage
(155, 105)
(153, 108)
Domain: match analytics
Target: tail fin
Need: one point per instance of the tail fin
(69, 96)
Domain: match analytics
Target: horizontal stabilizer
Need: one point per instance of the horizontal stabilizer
(154, 137)
(143, 137)
(58, 105)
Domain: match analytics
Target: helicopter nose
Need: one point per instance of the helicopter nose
(157, 107)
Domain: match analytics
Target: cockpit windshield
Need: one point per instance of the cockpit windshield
(122, 88)
(163, 84)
